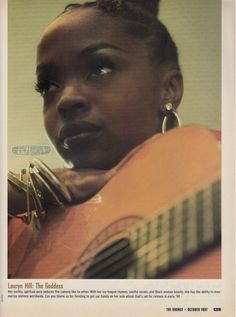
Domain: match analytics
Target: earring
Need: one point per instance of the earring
(170, 114)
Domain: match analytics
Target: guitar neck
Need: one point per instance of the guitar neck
(165, 240)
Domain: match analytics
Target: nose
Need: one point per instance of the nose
(72, 101)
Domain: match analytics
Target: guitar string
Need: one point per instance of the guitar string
(199, 235)
(140, 238)
(117, 267)
(156, 220)
(126, 254)
(159, 215)
(116, 246)
(202, 239)
(111, 268)
(204, 242)
(142, 232)
(120, 247)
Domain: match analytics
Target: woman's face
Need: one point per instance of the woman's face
(102, 94)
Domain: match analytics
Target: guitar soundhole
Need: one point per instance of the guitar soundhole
(112, 262)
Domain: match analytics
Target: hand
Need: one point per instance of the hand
(83, 184)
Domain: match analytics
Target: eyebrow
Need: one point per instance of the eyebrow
(97, 47)
(44, 67)
(89, 50)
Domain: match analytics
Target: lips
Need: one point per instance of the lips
(78, 134)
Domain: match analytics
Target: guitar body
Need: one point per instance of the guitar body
(163, 171)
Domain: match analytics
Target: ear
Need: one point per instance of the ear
(172, 87)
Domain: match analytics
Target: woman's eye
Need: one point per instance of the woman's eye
(100, 69)
(45, 87)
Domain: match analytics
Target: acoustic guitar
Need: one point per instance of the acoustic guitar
(158, 217)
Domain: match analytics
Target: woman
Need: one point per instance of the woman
(109, 76)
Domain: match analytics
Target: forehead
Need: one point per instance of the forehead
(82, 26)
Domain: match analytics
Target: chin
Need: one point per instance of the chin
(93, 162)
(94, 159)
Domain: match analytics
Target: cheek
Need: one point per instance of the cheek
(135, 107)
(50, 124)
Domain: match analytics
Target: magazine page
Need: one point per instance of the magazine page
(117, 158)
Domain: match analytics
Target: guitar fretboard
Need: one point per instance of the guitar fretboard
(170, 238)
(164, 240)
